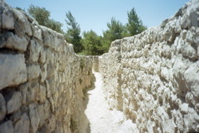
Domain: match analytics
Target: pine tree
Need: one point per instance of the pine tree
(73, 33)
(134, 25)
(115, 31)
(92, 43)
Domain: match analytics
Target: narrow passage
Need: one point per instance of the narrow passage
(103, 120)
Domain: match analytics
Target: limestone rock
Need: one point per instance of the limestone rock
(37, 32)
(35, 49)
(6, 127)
(12, 69)
(7, 16)
(22, 125)
(42, 57)
(192, 78)
(184, 108)
(33, 92)
(43, 73)
(33, 71)
(34, 118)
(22, 26)
(50, 126)
(24, 89)
(14, 42)
(156, 74)
(14, 103)
(2, 107)
(42, 94)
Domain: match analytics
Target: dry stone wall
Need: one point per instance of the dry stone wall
(43, 83)
(153, 77)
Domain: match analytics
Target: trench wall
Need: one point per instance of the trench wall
(153, 77)
(43, 83)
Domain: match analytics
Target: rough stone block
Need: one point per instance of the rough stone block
(192, 78)
(33, 71)
(42, 57)
(2, 107)
(33, 92)
(42, 94)
(37, 32)
(35, 49)
(22, 125)
(12, 69)
(34, 118)
(14, 103)
(7, 16)
(14, 42)
(43, 73)
(7, 127)
(184, 108)
(22, 26)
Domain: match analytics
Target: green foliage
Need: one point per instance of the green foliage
(42, 16)
(55, 25)
(115, 31)
(73, 33)
(92, 44)
(134, 25)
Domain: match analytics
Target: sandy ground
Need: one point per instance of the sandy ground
(103, 120)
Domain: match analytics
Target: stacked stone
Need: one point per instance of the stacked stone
(153, 77)
(43, 83)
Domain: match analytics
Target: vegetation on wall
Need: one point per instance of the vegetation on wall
(89, 43)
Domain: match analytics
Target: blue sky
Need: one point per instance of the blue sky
(95, 14)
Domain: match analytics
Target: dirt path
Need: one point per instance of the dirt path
(102, 120)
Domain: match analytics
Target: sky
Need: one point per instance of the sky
(95, 14)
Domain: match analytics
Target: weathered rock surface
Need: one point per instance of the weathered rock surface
(153, 77)
(43, 83)
(2, 107)
(12, 69)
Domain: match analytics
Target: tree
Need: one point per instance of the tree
(55, 25)
(134, 25)
(115, 31)
(92, 44)
(73, 33)
(42, 15)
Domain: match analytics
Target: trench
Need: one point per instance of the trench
(103, 120)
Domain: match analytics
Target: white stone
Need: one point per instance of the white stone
(12, 69)
(22, 125)
(7, 17)
(37, 32)
(42, 94)
(14, 42)
(192, 78)
(22, 26)
(33, 71)
(184, 108)
(35, 49)
(14, 103)
(34, 118)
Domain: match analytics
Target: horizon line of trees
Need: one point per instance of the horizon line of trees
(89, 43)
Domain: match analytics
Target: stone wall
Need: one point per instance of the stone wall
(43, 83)
(153, 77)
